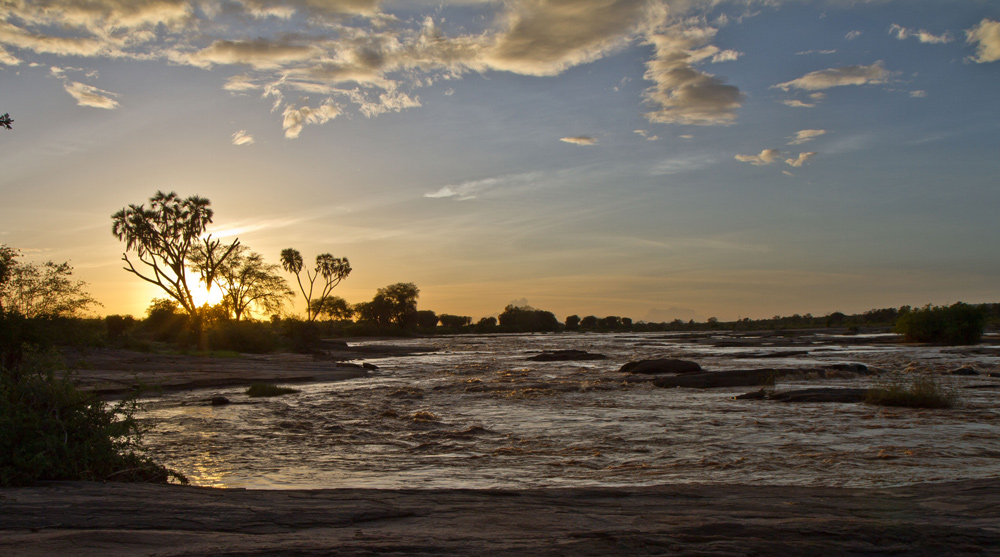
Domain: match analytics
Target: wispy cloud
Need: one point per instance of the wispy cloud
(647, 135)
(986, 37)
(803, 136)
(296, 118)
(242, 138)
(473, 188)
(579, 140)
(765, 157)
(902, 33)
(839, 77)
(851, 35)
(88, 95)
(802, 159)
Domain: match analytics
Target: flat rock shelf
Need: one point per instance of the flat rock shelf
(79, 518)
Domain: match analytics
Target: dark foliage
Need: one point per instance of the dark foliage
(49, 430)
(956, 324)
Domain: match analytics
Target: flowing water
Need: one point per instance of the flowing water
(475, 413)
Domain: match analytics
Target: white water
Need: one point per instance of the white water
(494, 419)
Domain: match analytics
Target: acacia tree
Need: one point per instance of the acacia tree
(247, 281)
(333, 307)
(332, 269)
(165, 237)
(396, 303)
(47, 290)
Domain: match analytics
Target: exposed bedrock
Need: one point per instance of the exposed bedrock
(818, 394)
(662, 366)
(688, 377)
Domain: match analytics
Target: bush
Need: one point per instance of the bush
(49, 430)
(243, 336)
(920, 390)
(956, 324)
(268, 389)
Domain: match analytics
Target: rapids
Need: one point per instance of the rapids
(476, 414)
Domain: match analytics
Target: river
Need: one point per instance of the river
(475, 413)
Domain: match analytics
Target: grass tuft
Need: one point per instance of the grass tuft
(268, 389)
(911, 390)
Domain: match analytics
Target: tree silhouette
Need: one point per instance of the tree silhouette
(332, 269)
(247, 281)
(165, 237)
(6, 121)
(333, 307)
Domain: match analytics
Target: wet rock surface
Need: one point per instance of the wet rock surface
(566, 356)
(818, 394)
(953, 518)
(661, 366)
(751, 377)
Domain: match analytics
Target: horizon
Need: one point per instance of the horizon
(634, 158)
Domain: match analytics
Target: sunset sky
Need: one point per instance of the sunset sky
(655, 159)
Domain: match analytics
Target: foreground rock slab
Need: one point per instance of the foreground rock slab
(77, 518)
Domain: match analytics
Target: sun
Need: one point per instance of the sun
(202, 295)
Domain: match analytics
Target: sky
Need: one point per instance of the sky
(655, 159)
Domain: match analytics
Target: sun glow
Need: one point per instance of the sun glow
(201, 294)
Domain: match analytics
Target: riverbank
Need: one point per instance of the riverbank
(112, 372)
(82, 518)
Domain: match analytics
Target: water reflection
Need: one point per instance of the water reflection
(476, 414)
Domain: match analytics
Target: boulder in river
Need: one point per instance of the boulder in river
(565, 356)
(752, 377)
(820, 394)
(661, 367)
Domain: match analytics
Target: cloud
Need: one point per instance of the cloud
(87, 95)
(540, 37)
(902, 33)
(296, 118)
(473, 188)
(797, 103)
(242, 138)
(579, 140)
(683, 94)
(259, 54)
(986, 37)
(801, 160)
(726, 56)
(838, 77)
(802, 136)
(918, 94)
(851, 35)
(767, 156)
(647, 135)
(805, 52)
(8, 59)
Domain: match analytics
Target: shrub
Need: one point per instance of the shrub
(268, 389)
(956, 324)
(243, 336)
(912, 390)
(49, 430)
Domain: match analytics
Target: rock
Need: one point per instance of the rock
(821, 394)
(752, 377)
(860, 369)
(219, 401)
(755, 395)
(965, 371)
(565, 356)
(782, 354)
(663, 366)
(731, 378)
(368, 366)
